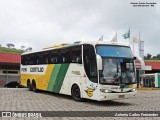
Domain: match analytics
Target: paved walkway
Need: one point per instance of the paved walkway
(20, 99)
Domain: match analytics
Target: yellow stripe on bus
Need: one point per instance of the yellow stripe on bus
(131, 86)
(47, 76)
(41, 80)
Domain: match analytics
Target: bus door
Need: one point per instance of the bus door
(90, 67)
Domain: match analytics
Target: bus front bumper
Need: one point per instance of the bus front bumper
(116, 96)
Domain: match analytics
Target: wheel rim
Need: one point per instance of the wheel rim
(77, 93)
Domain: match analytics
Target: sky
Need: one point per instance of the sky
(42, 23)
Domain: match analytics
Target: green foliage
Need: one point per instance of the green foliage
(10, 50)
(153, 58)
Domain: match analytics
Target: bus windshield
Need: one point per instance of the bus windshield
(114, 51)
(118, 65)
(117, 72)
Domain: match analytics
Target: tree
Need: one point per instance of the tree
(154, 57)
(10, 45)
(158, 56)
(29, 49)
(23, 47)
(148, 56)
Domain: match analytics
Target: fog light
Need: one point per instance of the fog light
(102, 97)
(133, 90)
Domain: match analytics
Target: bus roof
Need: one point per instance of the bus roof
(57, 45)
(62, 45)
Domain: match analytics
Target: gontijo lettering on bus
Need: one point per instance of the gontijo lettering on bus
(33, 69)
(36, 69)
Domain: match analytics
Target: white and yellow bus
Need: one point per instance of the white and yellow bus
(93, 70)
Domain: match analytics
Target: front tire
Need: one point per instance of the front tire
(76, 94)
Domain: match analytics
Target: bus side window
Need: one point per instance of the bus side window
(34, 59)
(53, 60)
(23, 60)
(30, 60)
(65, 55)
(74, 59)
(54, 57)
(64, 60)
(37, 58)
(27, 60)
(37, 61)
(76, 56)
(40, 59)
(46, 57)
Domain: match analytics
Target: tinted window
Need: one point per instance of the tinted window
(65, 55)
(76, 56)
(90, 64)
(57, 56)
(114, 51)
(54, 56)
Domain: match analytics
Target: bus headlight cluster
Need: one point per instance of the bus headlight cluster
(105, 91)
(133, 90)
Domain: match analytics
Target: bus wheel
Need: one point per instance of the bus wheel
(29, 85)
(76, 94)
(34, 86)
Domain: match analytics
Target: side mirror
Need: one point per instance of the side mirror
(99, 62)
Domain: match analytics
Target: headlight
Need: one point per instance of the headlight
(105, 91)
(134, 90)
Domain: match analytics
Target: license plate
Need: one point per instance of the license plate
(121, 96)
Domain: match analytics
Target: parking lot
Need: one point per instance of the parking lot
(20, 99)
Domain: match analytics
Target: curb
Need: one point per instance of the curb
(148, 88)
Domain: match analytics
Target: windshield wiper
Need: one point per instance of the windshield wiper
(117, 67)
(127, 76)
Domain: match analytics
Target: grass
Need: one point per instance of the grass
(10, 50)
(152, 60)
